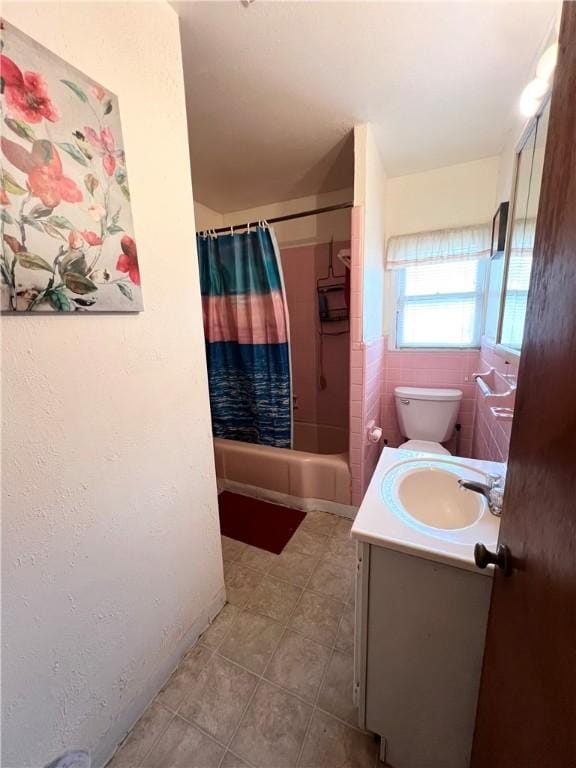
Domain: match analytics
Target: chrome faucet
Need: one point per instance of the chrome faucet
(492, 491)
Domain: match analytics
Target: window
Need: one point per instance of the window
(440, 304)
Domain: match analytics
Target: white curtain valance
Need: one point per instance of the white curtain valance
(438, 246)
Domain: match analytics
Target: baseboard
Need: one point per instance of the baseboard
(124, 723)
(285, 500)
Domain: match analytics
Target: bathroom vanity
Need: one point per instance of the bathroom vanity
(422, 606)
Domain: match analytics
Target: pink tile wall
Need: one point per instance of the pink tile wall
(491, 437)
(419, 368)
(366, 363)
(302, 266)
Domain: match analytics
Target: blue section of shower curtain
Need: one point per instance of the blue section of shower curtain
(250, 395)
(246, 331)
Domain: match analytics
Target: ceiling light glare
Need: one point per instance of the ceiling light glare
(529, 105)
(536, 89)
(547, 63)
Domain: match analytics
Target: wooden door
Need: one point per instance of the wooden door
(527, 708)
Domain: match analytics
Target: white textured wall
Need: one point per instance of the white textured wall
(454, 196)
(206, 217)
(110, 532)
(370, 192)
(311, 229)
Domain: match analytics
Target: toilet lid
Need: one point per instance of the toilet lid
(426, 446)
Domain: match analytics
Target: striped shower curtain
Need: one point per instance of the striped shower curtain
(246, 331)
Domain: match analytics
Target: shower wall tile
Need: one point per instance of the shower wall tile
(302, 267)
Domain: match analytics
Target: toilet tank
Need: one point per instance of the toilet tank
(427, 414)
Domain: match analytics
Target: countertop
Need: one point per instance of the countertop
(379, 522)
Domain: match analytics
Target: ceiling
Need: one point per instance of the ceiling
(274, 89)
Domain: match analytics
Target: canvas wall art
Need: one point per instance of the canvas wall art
(67, 235)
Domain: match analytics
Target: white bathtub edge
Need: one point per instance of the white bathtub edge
(285, 500)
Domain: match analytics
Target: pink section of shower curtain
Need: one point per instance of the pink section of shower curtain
(257, 318)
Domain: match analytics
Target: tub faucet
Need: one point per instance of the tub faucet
(492, 491)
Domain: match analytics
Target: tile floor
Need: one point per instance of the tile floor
(269, 684)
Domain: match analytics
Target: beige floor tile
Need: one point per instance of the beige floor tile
(251, 641)
(307, 543)
(219, 697)
(342, 548)
(240, 583)
(231, 549)
(342, 528)
(345, 636)
(293, 567)
(232, 761)
(151, 725)
(184, 677)
(274, 598)
(220, 627)
(256, 558)
(184, 746)
(319, 523)
(336, 692)
(331, 578)
(272, 730)
(317, 617)
(330, 743)
(298, 665)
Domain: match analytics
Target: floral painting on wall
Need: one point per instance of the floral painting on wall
(67, 238)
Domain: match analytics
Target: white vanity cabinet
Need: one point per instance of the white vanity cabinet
(420, 631)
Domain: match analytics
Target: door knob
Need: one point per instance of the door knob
(501, 558)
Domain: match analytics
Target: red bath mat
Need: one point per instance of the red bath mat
(256, 522)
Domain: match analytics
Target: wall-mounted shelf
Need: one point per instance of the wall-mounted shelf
(498, 389)
(502, 414)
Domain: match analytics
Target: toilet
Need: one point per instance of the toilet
(427, 417)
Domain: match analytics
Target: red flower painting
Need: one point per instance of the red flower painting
(104, 145)
(67, 233)
(46, 178)
(128, 260)
(26, 93)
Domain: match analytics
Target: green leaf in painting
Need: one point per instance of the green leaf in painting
(31, 222)
(73, 152)
(58, 300)
(91, 182)
(32, 261)
(20, 129)
(5, 216)
(108, 107)
(10, 184)
(40, 212)
(73, 261)
(52, 231)
(125, 191)
(120, 175)
(77, 90)
(113, 229)
(61, 222)
(125, 290)
(79, 283)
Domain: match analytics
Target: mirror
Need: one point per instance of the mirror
(518, 266)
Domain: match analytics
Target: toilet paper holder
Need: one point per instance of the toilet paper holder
(373, 433)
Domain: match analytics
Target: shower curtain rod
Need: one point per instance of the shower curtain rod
(288, 217)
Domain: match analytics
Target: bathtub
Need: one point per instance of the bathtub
(313, 475)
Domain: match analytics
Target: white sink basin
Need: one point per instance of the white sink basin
(415, 505)
(425, 493)
(433, 496)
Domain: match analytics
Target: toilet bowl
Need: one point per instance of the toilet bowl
(427, 417)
